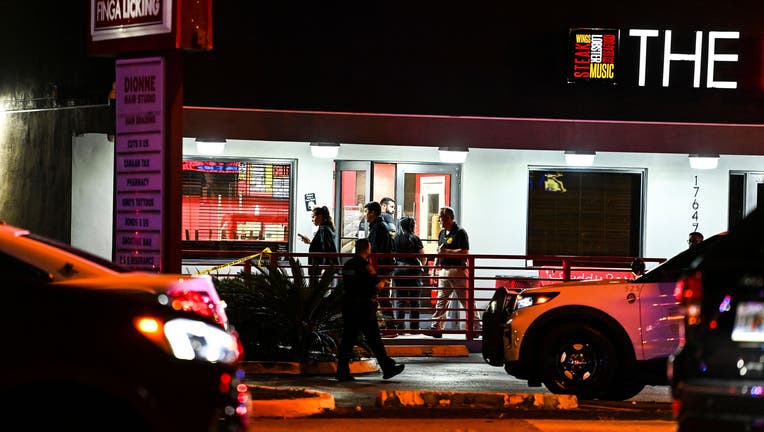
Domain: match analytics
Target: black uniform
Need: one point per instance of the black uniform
(382, 243)
(359, 314)
(407, 290)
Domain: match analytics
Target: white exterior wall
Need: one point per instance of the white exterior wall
(92, 193)
(494, 190)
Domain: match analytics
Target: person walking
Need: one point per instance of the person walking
(408, 290)
(381, 243)
(323, 240)
(359, 313)
(387, 214)
(453, 241)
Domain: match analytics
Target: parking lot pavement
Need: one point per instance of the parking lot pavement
(464, 374)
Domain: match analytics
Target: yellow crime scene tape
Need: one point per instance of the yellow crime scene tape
(258, 255)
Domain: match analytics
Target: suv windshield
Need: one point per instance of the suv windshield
(79, 252)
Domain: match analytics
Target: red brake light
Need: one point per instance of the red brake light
(689, 289)
(194, 301)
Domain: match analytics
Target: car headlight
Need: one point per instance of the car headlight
(188, 339)
(531, 299)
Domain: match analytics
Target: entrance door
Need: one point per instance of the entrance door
(421, 190)
(352, 192)
(746, 192)
(754, 191)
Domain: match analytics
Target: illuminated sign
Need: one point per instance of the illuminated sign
(119, 19)
(211, 166)
(594, 55)
(598, 55)
(695, 56)
(139, 158)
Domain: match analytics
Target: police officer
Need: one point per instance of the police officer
(359, 313)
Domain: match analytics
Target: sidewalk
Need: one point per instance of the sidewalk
(455, 386)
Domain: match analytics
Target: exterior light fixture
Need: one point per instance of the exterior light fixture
(704, 161)
(453, 154)
(324, 150)
(579, 158)
(211, 146)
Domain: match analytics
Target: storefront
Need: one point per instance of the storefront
(515, 96)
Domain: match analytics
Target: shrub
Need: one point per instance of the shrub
(282, 315)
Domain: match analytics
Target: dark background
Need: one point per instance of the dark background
(503, 59)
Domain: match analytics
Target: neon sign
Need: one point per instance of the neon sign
(695, 57)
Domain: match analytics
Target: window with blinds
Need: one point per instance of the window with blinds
(584, 212)
(234, 205)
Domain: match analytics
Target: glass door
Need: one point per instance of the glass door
(421, 190)
(352, 193)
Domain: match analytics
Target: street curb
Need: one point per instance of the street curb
(314, 368)
(427, 350)
(317, 403)
(397, 399)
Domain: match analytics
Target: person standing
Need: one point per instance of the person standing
(381, 243)
(388, 214)
(408, 290)
(695, 239)
(453, 241)
(359, 313)
(323, 240)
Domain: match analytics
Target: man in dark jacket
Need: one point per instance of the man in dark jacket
(359, 313)
(381, 243)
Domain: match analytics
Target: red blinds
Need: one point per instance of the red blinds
(236, 200)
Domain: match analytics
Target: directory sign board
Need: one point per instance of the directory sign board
(139, 163)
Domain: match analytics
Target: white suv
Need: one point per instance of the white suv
(602, 339)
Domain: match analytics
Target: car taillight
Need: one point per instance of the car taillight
(194, 301)
(689, 291)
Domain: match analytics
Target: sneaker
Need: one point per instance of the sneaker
(344, 378)
(393, 371)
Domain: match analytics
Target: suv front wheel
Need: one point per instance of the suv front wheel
(578, 359)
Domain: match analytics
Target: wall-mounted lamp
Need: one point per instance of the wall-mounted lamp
(211, 146)
(704, 161)
(579, 157)
(324, 150)
(453, 154)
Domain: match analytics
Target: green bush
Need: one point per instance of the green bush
(283, 315)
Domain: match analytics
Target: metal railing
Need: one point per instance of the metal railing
(485, 273)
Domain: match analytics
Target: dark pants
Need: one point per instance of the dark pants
(407, 295)
(386, 302)
(361, 320)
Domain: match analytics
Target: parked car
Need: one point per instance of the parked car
(717, 374)
(26, 254)
(122, 359)
(603, 339)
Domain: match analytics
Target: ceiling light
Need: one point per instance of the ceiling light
(210, 145)
(579, 157)
(453, 154)
(704, 161)
(324, 150)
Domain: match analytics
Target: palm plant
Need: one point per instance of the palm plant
(283, 315)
